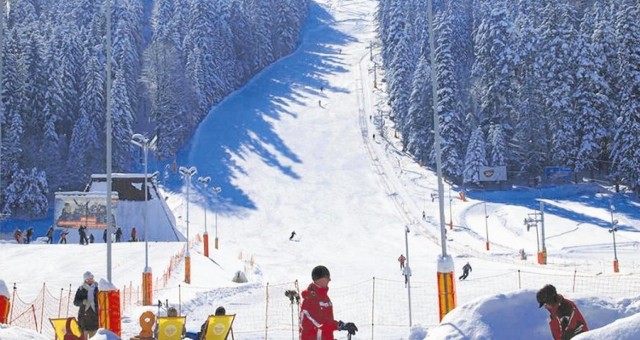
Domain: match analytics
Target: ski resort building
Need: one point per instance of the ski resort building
(87, 208)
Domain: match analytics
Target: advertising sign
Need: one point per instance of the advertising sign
(557, 173)
(75, 208)
(492, 173)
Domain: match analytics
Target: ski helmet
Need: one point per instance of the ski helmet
(319, 272)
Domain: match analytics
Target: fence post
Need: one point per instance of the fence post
(35, 318)
(44, 288)
(60, 303)
(373, 304)
(13, 298)
(575, 271)
(68, 300)
(266, 313)
(519, 280)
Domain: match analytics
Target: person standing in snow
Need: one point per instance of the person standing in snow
(401, 259)
(82, 231)
(293, 234)
(17, 234)
(118, 234)
(91, 238)
(104, 235)
(87, 299)
(134, 234)
(50, 235)
(63, 236)
(28, 234)
(465, 271)
(316, 311)
(565, 321)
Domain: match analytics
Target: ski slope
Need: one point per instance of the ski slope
(293, 150)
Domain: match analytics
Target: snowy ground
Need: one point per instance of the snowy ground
(292, 150)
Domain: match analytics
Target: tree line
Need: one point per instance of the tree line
(171, 61)
(522, 84)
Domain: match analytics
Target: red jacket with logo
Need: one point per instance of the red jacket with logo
(566, 320)
(316, 314)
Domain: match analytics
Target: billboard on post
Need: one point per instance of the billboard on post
(557, 173)
(492, 173)
(76, 208)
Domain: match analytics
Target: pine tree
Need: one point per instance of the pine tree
(475, 157)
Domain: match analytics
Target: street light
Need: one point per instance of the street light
(613, 231)
(205, 182)
(147, 291)
(187, 173)
(216, 190)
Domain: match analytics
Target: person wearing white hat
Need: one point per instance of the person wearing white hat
(87, 299)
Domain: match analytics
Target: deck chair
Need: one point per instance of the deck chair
(67, 329)
(218, 327)
(170, 327)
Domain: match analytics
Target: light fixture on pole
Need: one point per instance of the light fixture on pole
(187, 173)
(613, 231)
(205, 182)
(216, 190)
(147, 291)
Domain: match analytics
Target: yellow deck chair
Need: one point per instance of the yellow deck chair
(170, 327)
(64, 325)
(218, 327)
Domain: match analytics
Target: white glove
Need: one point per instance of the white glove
(86, 304)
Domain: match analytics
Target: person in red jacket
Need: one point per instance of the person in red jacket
(316, 312)
(566, 321)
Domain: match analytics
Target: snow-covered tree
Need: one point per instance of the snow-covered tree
(475, 157)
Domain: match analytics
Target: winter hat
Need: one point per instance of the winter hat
(319, 272)
(546, 294)
(87, 275)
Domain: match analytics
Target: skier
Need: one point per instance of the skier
(91, 238)
(406, 272)
(465, 271)
(566, 321)
(50, 235)
(18, 235)
(293, 233)
(134, 233)
(28, 234)
(401, 259)
(118, 234)
(63, 236)
(316, 312)
(82, 231)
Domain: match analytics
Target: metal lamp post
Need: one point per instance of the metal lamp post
(205, 182)
(147, 291)
(187, 173)
(407, 273)
(613, 231)
(216, 190)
